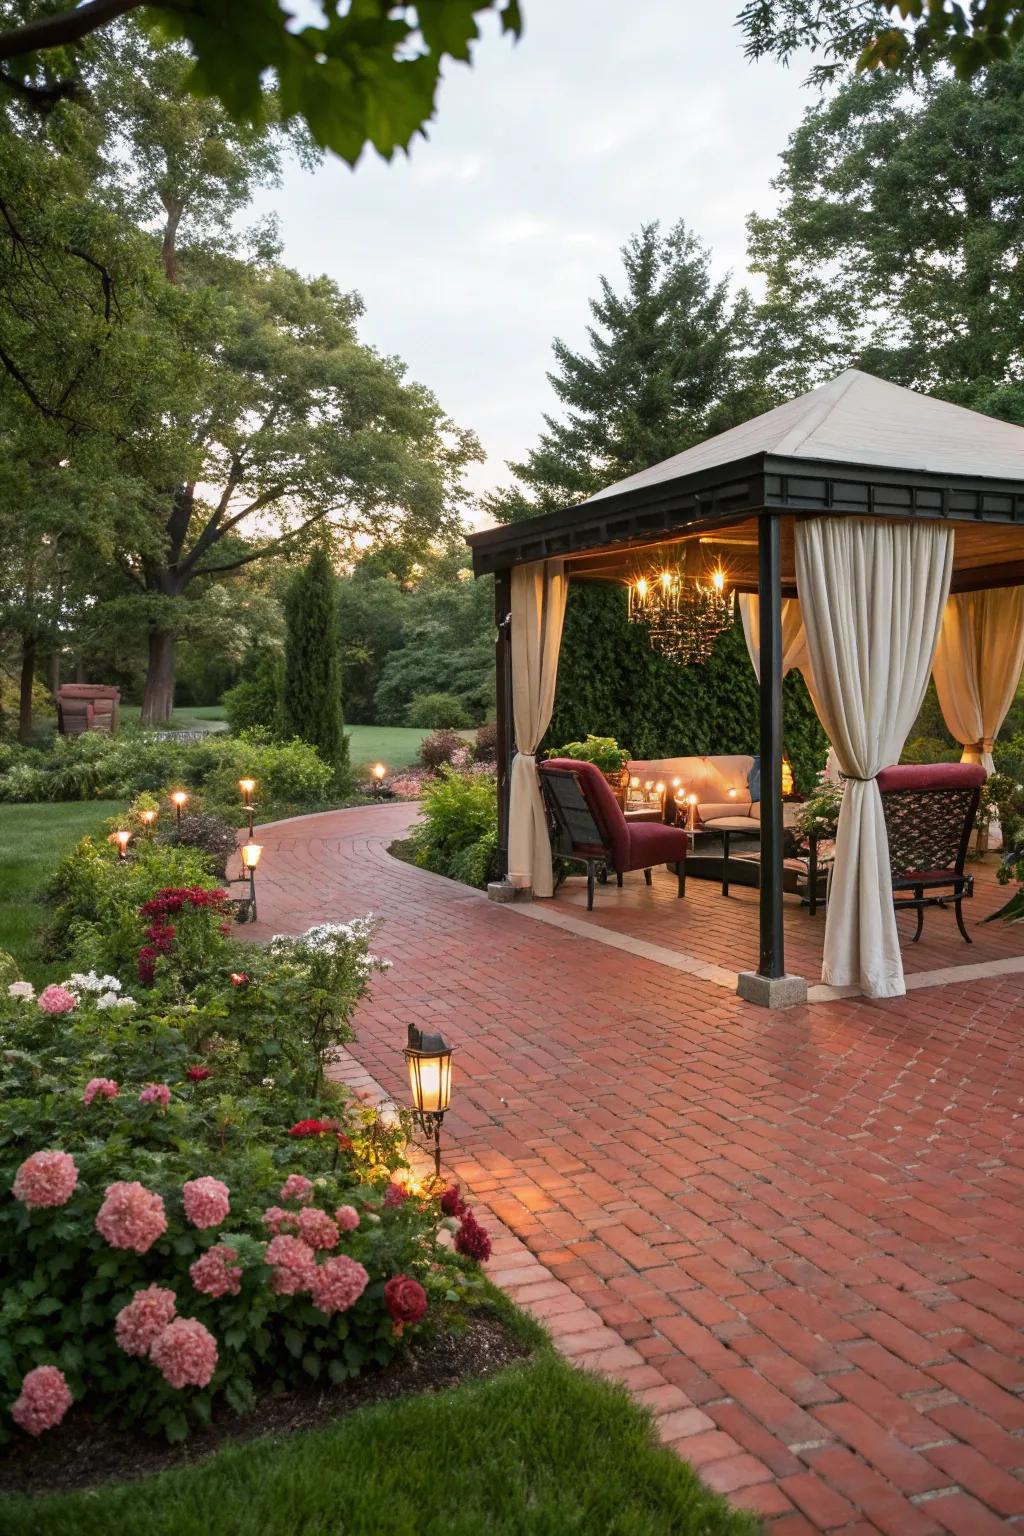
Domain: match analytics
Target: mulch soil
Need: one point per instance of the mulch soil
(86, 1453)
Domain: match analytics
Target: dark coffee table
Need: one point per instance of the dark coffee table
(723, 830)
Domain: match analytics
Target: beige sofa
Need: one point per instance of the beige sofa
(721, 784)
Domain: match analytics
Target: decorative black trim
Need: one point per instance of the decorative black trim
(762, 482)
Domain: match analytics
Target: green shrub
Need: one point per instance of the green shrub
(437, 711)
(457, 834)
(8, 970)
(254, 703)
(209, 833)
(444, 747)
(603, 751)
(94, 766)
(930, 749)
(96, 898)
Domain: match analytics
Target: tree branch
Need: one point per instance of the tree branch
(42, 97)
(273, 548)
(64, 27)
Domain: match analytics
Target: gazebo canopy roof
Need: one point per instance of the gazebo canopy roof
(857, 419)
(855, 446)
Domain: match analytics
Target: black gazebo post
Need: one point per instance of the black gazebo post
(769, 984)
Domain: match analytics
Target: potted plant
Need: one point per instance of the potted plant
(605, 753)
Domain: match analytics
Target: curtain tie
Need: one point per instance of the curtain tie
(859, 778)
(985, 744)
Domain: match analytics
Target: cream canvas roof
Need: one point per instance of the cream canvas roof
(858, 419)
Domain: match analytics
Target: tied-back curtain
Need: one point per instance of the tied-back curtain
(538, 609)
(978, 663)
(872, 595)
(794, 639)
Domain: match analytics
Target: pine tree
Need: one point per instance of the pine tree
(312, 668)
(666, 367)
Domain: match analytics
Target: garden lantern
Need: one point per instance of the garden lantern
(179, 799)
(429, 1059)
(122, 838)
(248, 788)
(250, 853)
(379, 775)
(147, 818)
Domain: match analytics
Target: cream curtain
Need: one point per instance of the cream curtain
(978, 663)
(872, 595)
(538, 608)
(794, 641)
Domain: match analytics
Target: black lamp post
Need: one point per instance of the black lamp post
(429, 1059)
(248, 788)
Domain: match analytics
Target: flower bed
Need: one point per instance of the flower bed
(191, 1213)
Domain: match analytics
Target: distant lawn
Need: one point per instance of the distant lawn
(396, 746)
(34, 838)
(199, 717)
(538, 1450)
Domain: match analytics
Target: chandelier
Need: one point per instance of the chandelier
(684, 616)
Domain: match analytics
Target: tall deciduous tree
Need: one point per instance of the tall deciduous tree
(899, 239)
(664, 368)
(312, 662)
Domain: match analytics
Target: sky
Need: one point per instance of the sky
(488, 240)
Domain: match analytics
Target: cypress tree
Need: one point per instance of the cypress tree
(312, 665)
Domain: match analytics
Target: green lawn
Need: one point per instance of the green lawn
(200, 717)
(538, 1450)
(33, 839)
(396, 746)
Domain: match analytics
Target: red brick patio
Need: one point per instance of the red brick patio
(797, 1236)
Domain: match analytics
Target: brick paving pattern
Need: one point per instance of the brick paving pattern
(796, 1236)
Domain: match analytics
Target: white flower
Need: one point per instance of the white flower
(111, 1000)
(88, 981)
(123, 1002)
(268, 1082)
(23, 989)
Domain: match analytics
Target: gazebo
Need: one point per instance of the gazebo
(882, 532)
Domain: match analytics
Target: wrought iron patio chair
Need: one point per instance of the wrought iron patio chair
(929, 814)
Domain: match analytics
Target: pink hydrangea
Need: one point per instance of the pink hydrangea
(296, 1187)
(43, 1401)
(156, 1093)
(206, 1201)
(293, 1264)
(338, 1284)
(45, 1179)
(216, 1273)
(347, 1217)
(279, 1220)
(317, 1229)
(146, 1315)
(99, 1087)
(54, 999)
(185, 1353)
(131, 1216)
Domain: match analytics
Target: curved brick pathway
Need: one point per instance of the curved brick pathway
(797, 1236)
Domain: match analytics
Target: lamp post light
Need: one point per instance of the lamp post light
(122, 838)
(147, 818)
(379, 775)
(179, 799)
(250, 858)
(429, 1059)
(248, 788)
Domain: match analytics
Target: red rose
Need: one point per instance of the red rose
(471, 1239)
(312, 1127)
(405, 1299)
(198, 1074)
(394, 1196)
(452, 1203)
(239, 979)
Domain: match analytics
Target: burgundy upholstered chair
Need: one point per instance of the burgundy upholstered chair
(929, 815)
(588, 825)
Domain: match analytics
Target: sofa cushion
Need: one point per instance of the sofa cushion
(713, 810)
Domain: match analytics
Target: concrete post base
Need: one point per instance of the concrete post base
(504, 890)
(771, 991)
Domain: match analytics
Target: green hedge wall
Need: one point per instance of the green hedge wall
(612, 683)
